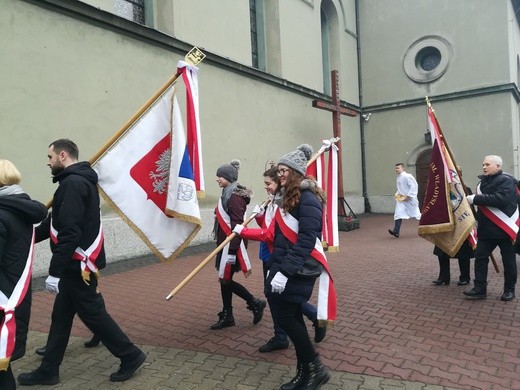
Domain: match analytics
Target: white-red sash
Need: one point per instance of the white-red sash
(8, 306)
(326, 293)
(225, 269)
(499, 218)
(87, 256)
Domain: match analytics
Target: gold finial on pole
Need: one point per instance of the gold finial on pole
(194, 56)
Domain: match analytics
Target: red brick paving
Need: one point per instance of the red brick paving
(392, 321)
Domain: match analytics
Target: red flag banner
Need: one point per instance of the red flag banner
(446, 218)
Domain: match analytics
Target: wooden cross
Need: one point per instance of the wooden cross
(337, 110)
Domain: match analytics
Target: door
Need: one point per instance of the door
(422, 167)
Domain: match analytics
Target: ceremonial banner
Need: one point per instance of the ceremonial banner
(148, 177)
(326, 176)
(446, 217)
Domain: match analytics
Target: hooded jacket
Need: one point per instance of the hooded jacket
(75, 216)
(18, 213)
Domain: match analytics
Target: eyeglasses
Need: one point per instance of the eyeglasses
(282, 171)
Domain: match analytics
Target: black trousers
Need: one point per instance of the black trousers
(444, 268)
(289, 317)
(484, 248)
(76, 296)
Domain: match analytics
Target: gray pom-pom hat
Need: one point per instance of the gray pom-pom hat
(298, 159)
(229, 171)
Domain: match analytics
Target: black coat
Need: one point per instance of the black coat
(497, 191)
(18, 213)
(75, 216)
(288, 258)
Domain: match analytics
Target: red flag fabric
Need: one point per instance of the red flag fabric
(446, 218)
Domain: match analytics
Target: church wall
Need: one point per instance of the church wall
(68, 78)
(477, 32)
(226, 32)
(301, 43)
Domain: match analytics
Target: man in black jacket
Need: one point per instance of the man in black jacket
(74, 227)
(497, 215)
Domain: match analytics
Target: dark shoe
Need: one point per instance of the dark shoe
(273, 345)
(463, 283)
(257, 307)
(127, 369)
(439, 282)
(315, 375)
(93, 342)
(225, 320)
(319, 332)
(298, 380)
(37, 378)
(507, 296)
(41, 351)
(396, 235)
(476, 293)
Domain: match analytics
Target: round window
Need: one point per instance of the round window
(427, 59)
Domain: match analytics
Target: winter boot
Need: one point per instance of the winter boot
(225, 319)
(297, 381)
(257, 306)
(315, 375)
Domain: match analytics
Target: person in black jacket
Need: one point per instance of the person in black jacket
(301, 206)
(76, 240)
(18, 214)
(497, 215)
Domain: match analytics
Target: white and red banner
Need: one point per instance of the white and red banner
(148, 175)
(326, 175)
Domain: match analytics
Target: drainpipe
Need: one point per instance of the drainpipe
(368, 209)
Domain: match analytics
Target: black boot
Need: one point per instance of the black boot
(93, 342)
(225, 319)
(257, 307)
(315, 375)
(297, 381)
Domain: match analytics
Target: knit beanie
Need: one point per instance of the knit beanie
(229, 171)
(298, 159)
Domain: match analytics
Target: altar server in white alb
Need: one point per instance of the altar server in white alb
(407, 205)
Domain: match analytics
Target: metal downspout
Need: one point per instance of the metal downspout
(368, 209)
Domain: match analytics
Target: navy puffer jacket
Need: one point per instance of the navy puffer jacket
(288, 258)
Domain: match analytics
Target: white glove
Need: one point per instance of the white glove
(231, 259)
(278, 283)
(238, 229)
(51, 284)
(470, 198)
(259, 210)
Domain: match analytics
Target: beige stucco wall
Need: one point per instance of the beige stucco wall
(477, 31)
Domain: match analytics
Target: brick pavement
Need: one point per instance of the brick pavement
(395, 330)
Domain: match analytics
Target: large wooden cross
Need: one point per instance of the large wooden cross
(337, 110)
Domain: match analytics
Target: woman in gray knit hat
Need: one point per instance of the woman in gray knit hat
(232, 258)
(298, 227)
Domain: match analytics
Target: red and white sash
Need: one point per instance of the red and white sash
(499, 218)
(326, 293)
(8, 306)
(87, 256)
(225, 270)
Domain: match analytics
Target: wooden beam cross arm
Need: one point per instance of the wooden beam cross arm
(333, 108)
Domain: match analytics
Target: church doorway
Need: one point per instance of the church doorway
(422, 167)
